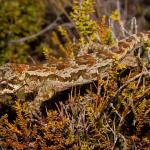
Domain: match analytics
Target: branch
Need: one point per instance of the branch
(49, 27)
(130, 80)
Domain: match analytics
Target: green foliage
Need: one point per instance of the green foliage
(116, 16)
(18, 19)
(62, 42)
(147, 51)
(63, 46)
(81, 15)
(105, 32)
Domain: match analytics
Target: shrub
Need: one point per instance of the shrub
(18, 19)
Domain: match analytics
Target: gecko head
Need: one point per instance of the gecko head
(10, 77)
(10, 70)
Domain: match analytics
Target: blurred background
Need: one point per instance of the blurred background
(29, 28)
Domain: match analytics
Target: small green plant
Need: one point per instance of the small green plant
(104, 32)
(147, 50)
(62, 42)
(81, 15)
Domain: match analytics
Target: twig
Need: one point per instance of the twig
(49, 27)
(31, 58)
(132, 79)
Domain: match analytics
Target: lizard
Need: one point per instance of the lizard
(49, 79)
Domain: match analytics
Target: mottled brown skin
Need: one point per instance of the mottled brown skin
(49, 79)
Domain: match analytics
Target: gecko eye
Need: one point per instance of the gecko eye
(4, 86)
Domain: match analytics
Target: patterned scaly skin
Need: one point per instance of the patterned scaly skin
(49, 79)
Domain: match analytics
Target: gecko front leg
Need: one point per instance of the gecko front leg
(45, 92)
